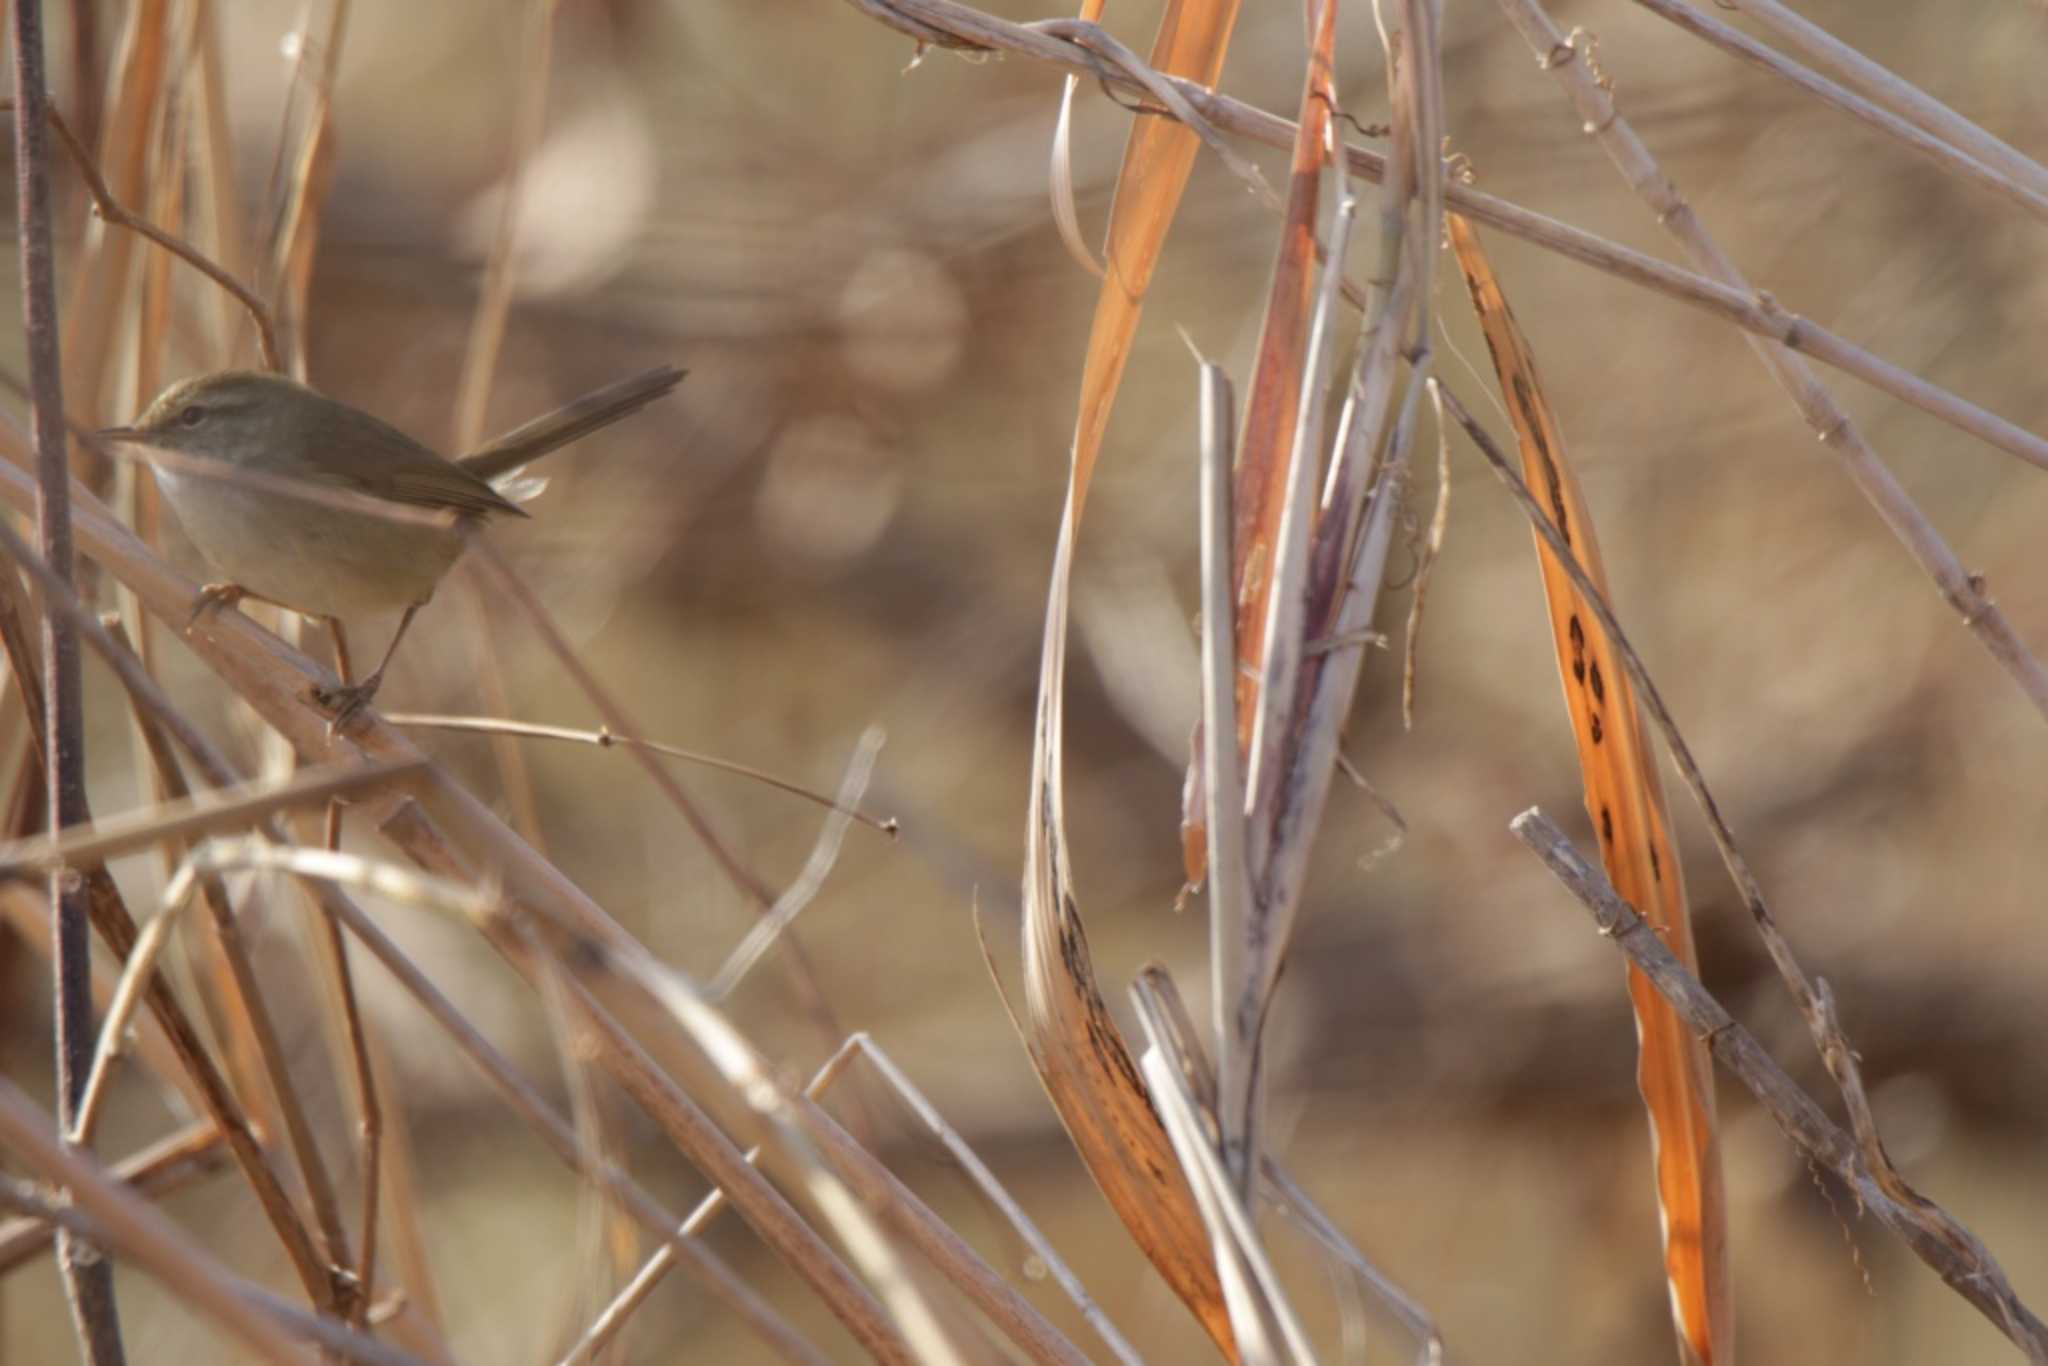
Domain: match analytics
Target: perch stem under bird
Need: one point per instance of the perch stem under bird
(318, 507)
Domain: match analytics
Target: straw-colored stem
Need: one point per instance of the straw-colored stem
(1936, 1238)
(165, 1166)
(1882, 87)
(1753, 311)
(1964, 591)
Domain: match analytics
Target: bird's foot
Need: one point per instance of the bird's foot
(215, 597)
(346, 701)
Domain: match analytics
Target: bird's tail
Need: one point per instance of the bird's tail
(504, 455)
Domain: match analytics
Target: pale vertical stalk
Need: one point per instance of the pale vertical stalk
(479, 366)
(1230, 892)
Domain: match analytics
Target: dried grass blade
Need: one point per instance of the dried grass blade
(1193, 37)
(1272, 411)
(1625, 799)
(1065, 216)
(1258, 1304)
(1080, 1056)
(97, 308)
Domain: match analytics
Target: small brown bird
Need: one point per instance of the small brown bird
(314, 505)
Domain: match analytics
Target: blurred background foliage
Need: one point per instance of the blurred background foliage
(846, 518)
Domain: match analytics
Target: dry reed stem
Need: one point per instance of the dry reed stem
(1963, 590)
(108, 209)
(133, 1228)
(25, 911)
(167, 1165)
(679, 1116)
(473, 391)
(992, 1190)
(341, 1000)
(214, 170)
(604, 738)
(1935, 1237)
(1325, 581)
(98, 307)
(298, 223)
(1943, 154)
(1184, 1051)
(1754, 311)
(612, 1320)
(1814, 1001)
(802, 973)
(276, 680)
(221, 809)
(1259, 1307)
(396, 1182)
(761, 936)
(326, 868)
(88, 1279)
(1221, 771)
(910, 1330)
(115, 924)
(1902, 97)
(494, 300)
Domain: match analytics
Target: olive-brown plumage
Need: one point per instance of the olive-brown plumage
(316, 505)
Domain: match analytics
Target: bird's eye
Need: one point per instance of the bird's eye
(192, 416)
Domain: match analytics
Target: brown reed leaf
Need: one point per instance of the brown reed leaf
(1080, 1056)
(1625, 798)
(1275, 401)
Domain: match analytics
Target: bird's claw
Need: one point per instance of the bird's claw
(215, 597)
(347, 701)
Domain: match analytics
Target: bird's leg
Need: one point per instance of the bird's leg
(343, 667)
(348, 701)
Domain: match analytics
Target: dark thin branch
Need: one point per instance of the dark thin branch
(88, 1278)
(1935, 1236)
(109, 209)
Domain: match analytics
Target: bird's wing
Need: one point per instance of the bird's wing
(379, 460)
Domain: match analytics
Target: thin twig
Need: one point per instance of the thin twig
(763, 933)
(136, 1229)
(164, 1166)
(1903, 97)
(1184, 1051)
(1964, 591)
(109, 209)
(609, 1323)
(186, 817)
(615, 717)
(1250, 1284)
(604, 738)
(1944, 154)
(479, 368)
(438, 894)
(274, 679)
(1936, 1238)
(1752, 310)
